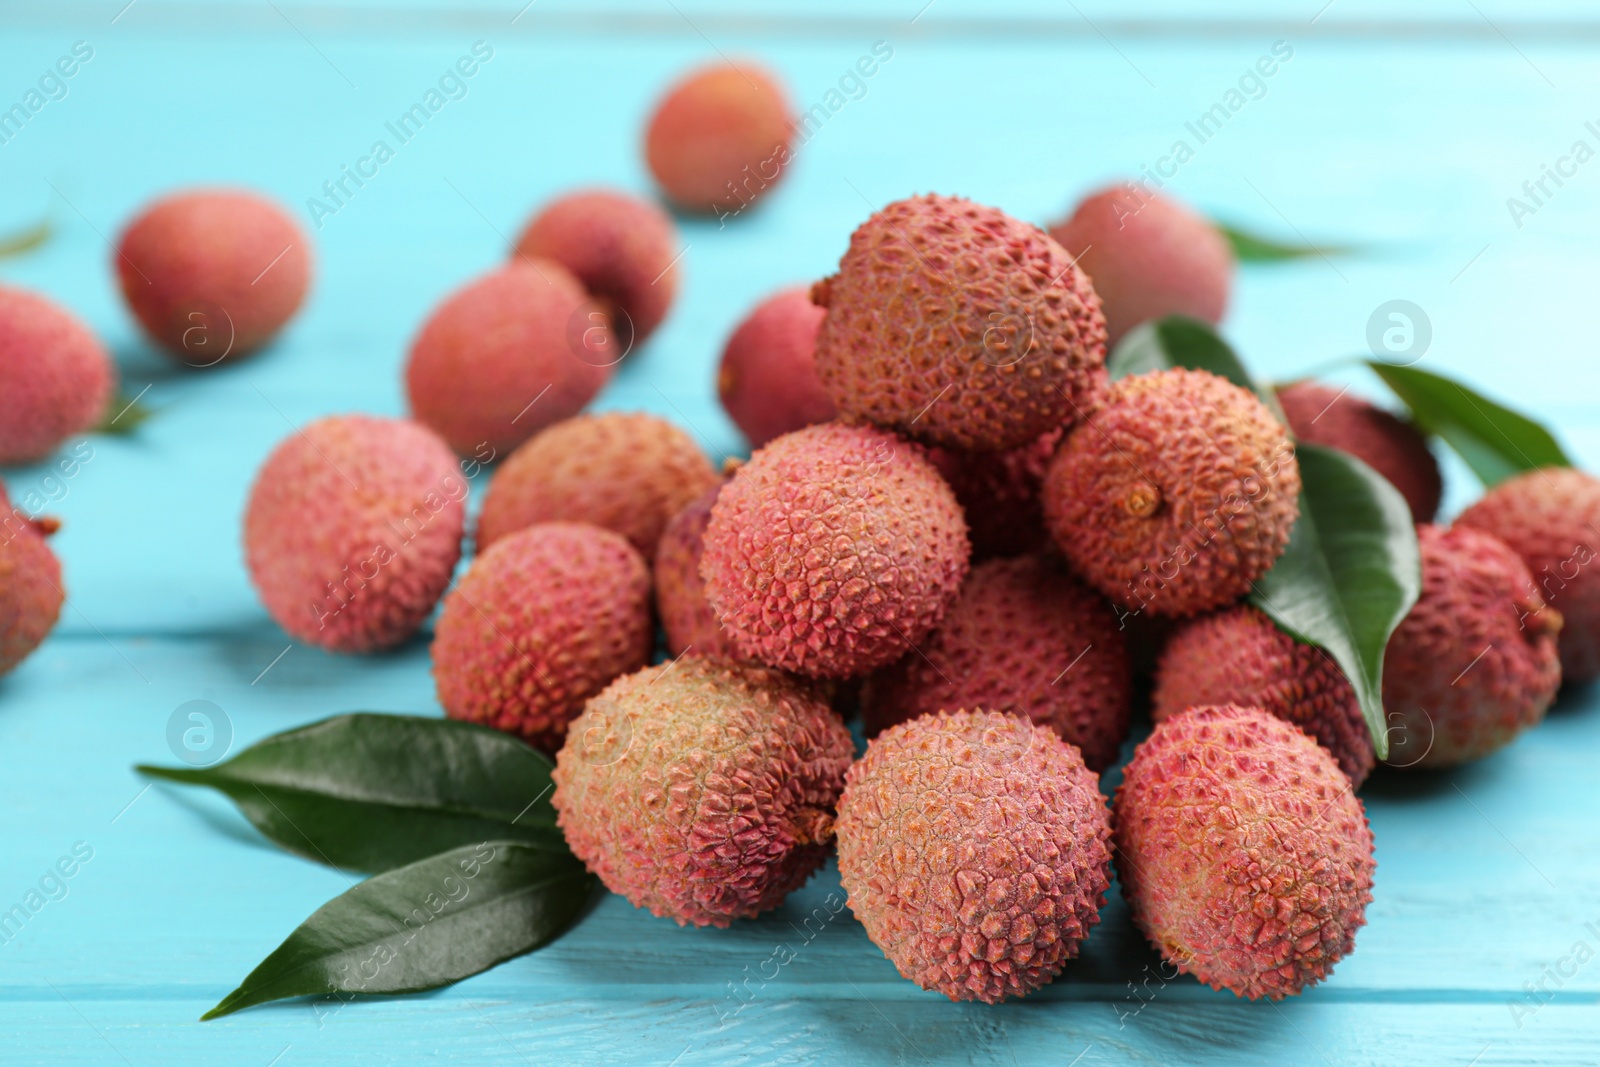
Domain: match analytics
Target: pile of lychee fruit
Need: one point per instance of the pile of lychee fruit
(953, 523)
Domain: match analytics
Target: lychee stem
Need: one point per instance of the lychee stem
(1142, 500)
(812, 826)
(822, 292)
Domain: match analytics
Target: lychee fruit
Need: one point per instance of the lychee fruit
(768, 377)
(1024, 637)
(686, 615)
(702, 790)
(1475, 662)
(958, 325)
(213, 274)
(623, 249)
(624, 471)
(1148, 257)
(1551, 519)
(56, 378)
(834, 551)
(507, 355)
(1388, 444)
(974, 849)
(1243, 852)
(352, 530)
(543, 620)
(30, 583)
(1001, 493)
(1238, 656)
(719, 140)
(1177, 495)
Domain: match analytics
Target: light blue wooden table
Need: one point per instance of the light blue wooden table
(1402, 131)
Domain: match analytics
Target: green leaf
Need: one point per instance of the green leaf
(25, 241)
(371, 792)
(1179, 341)
(1350, 574)
(424, 925)
(1496, 442)
(124, 415)
(1253, 248)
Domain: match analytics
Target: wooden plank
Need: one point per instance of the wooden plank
(1426, 19)
(1486, 848)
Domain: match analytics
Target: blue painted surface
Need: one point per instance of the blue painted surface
(1370, 134)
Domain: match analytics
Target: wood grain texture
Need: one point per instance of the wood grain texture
(1487, 876)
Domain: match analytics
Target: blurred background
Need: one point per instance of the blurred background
(1400, 130)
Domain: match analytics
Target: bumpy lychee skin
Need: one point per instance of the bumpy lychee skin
(974, 849)
(768, 376)
(686, 615)
(544, 620)
(624, 471)
(1177, 495)
(1551, 518)
(352, 530)
(1148, 256)
(624, 250)
(958, 325)
(1475, 662)
(1025, 637)
(719, 140)
(213, 274)
(1243, 852)
(1001, 493)
(834, 551)
(30, 584)
(507, 355)
(56, 378)
(1388, 444)
(702, 790)
(1237, 656)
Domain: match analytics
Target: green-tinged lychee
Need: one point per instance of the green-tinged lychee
(1388, 444)
(1024, 637)
(625, 471)
(543, 620)
(1237, 656)
(834, 551)
(768, 376)
(956, 324)
(1551, 519)
(56, 378)
(686, 615)
(507, 355)
(1177, 495)
(353, 528)
(1475, 662)
(702, 790)
(213, 274)
(719, 139)
(1148, 256)
(1243, 851)
(623, 249)
(1000, 493)
(974, 849)
(30, 583)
